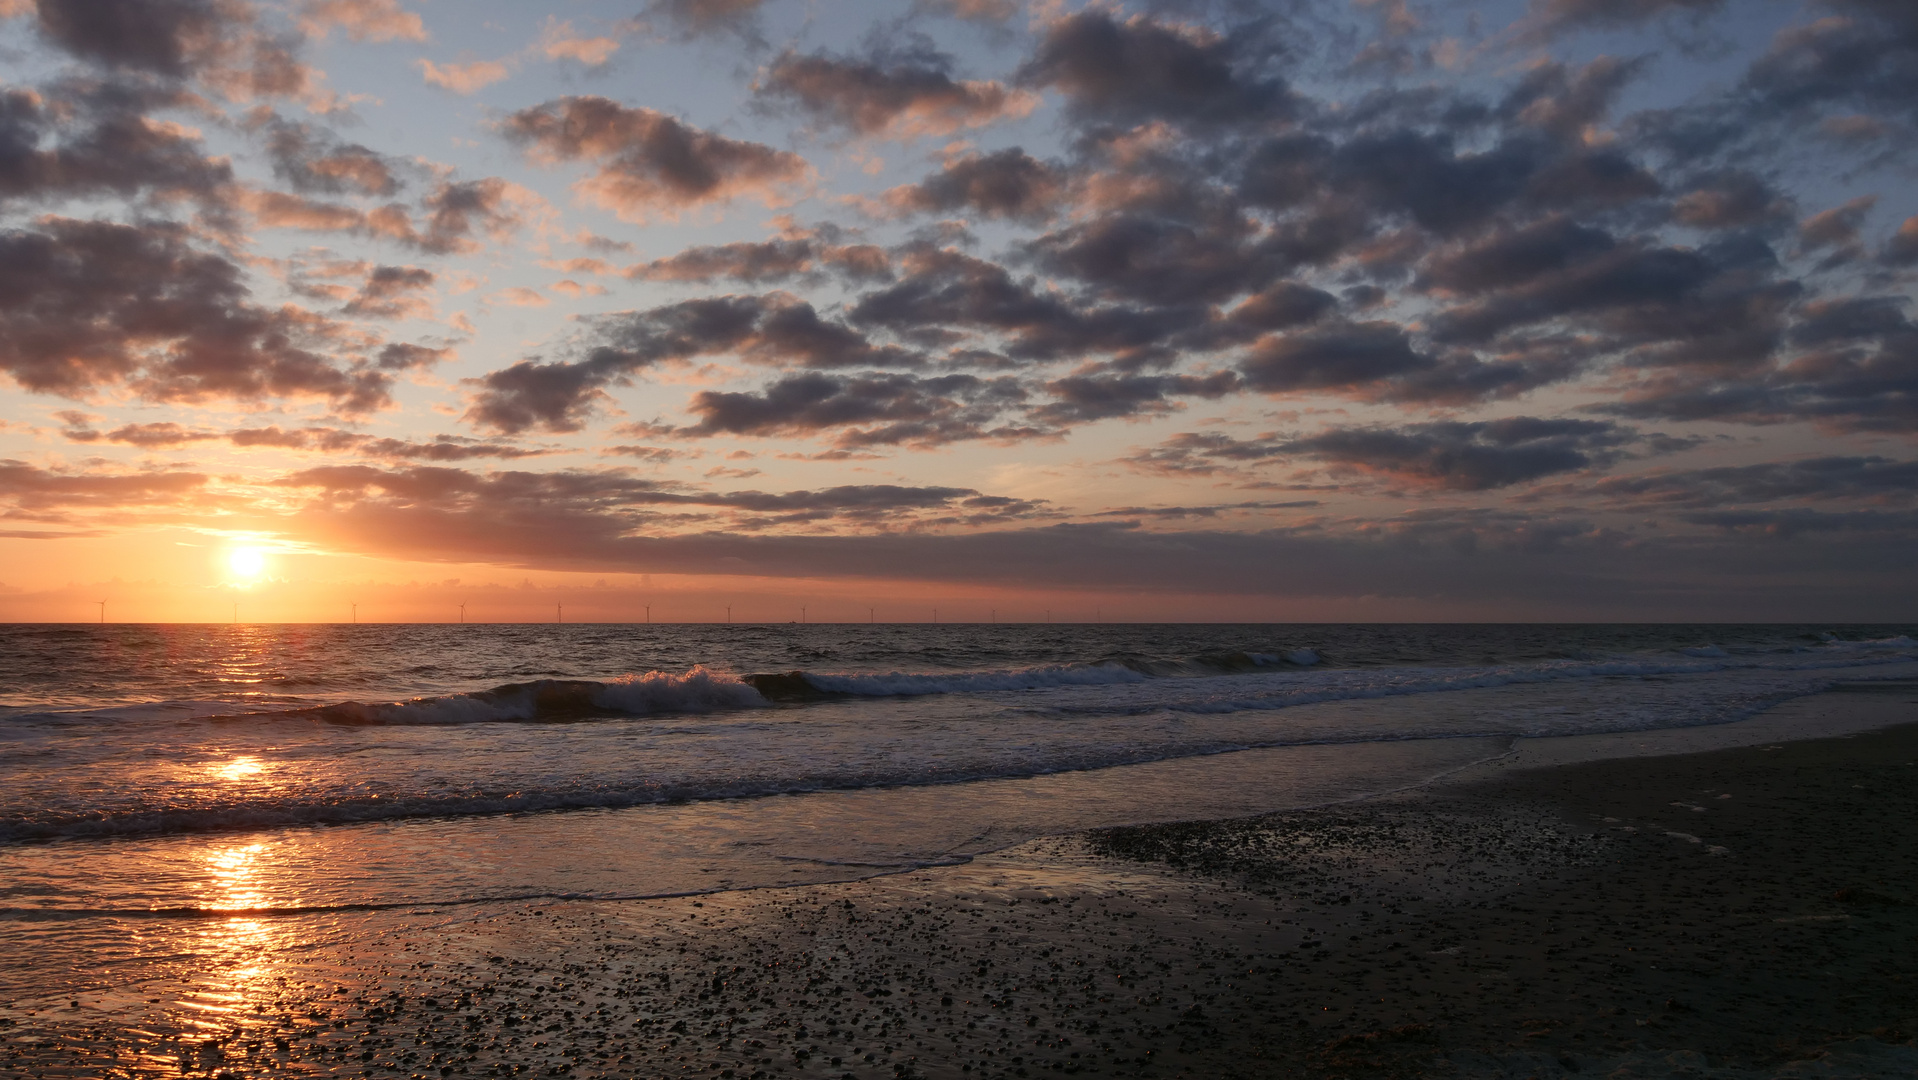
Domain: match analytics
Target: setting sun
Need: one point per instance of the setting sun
(246, 563)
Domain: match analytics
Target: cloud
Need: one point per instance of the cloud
(1867, 478)
(156, 36)
(1083, 398)
(706, 18)
(898, 94)
(976, 10)
(214, 42)
(45, 494)
(1491, 565)
(362, 20)
(1902, 248)
(313, 162)
(559, 41)
(796, 255)
(390, 293)
(1003, 184)
(596, 499)
(1863, 57)
(1466, 456)
(467, 78)
(84, 138)
(1140, 69)
(456, 213)
(649, 164)
(521, 296)
(777, 329)
(873, 409)
(1837, 227)
(943, 295)
(167, 435)
(86, 306)
(1545, 19)
(1336, 357)
(1728, 200)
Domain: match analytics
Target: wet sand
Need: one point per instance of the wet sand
(1748, 912)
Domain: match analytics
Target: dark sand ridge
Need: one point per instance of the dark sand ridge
(1737, 913)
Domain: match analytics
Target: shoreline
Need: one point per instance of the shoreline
(1493, 922)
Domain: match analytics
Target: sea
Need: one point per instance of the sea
(153, 775)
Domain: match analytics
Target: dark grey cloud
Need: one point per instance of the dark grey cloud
(689, 19)
(803, 256)
(1795, 522)
(1633, 277)
(1495, 565)
(1128, 71)
(776, 330)
(901, 91)
(1516, 257)
(872, 409)
(1211, 511)
(1083, 398)
(1563, 101)
(1856, 370)
(1343, 356)
(1283, 305)
(1730, 199)
(168, 435)
(317, 162)
(945, 295)
(1007, 184)
(1461, 456)
(81, 138)
(596, 499)
(389, 293)
(1448, 455)
(1150, 257)
(1902, 248)
(86, 306)
(1546, 18)
(1863, 55)
(1865, 478)
(156, 36)
(648, 163)
(458, 210)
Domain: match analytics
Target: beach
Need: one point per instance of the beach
(1738, 912)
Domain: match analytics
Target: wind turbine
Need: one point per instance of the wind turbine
(103, 612)
(462, 613)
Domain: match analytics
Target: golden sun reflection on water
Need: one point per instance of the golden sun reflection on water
(233, 876)
(241, 768)
(241, 953)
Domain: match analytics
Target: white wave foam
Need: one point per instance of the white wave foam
(699, 690)
(900, 684)
(1302, 657)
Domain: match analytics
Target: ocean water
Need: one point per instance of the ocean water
(172, 772)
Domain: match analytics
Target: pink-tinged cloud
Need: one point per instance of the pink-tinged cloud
(649, 165)
(88, 306)
(899, 97)
(520, 296)
(560, 42)
(469, 78)
(362, 20)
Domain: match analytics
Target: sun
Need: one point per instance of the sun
(246, 563)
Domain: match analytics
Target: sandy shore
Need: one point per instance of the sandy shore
(1734, 913)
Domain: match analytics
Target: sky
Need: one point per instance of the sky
(1295, 310)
